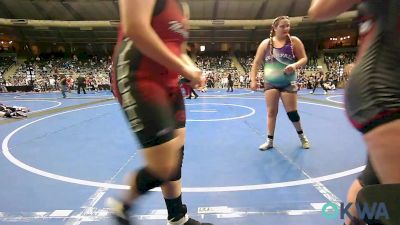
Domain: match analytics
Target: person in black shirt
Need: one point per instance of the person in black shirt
(188, 89)
(321, 80)
(230, 83)
(81, 84)
(192, 92)
(63, 84)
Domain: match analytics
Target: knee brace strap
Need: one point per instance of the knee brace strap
(146, 181)
(294, 116)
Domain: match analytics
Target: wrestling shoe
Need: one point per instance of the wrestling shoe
(304, 141)
(267, 145)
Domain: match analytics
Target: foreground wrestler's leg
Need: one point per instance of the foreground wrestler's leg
(161, 165)
(383, 145)
(172, 190)
(351, 198)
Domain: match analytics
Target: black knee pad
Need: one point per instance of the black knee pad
(146, 181)
(294, 116)
(177, 176)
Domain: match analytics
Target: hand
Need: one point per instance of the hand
(291, 68)
(193, 74)
(253, 85)
(201, 84)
